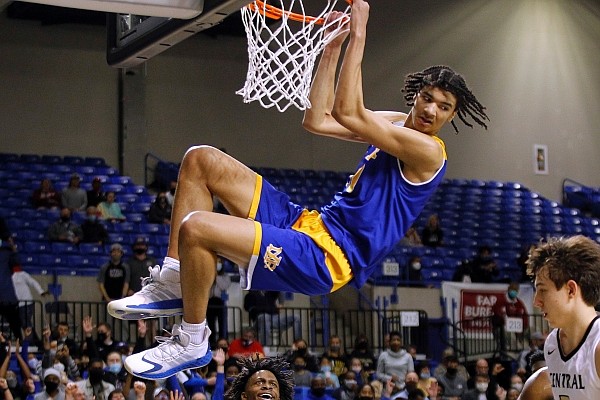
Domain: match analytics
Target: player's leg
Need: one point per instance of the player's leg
(202, 236)
(204, 172)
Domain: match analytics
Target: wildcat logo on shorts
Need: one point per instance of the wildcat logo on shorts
(272, 258)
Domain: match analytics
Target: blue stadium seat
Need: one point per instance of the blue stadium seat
(140, 207)
(8, 157)
(91, 248)
(51, 260)
(121, 180)
(30, 158)
(73, 160)
(36, 247)
(95, 161)
(61, 248)
(112, 187)
(86, 170)
(136, 217)
(51, 159)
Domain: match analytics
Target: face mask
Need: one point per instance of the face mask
(229, 379)
(92, 218)
(139, 251)
(451, 371)
(518, 386)
(115, 368)
(59, 367)
(298, 367)
(11, 382)
(482, 387)
(410, 386)
(416, 266)
(51, 386)
(52, 353)
(301, 352)
(65, 219)
(101, 337)
(365, 398)
(356, 370)
(335, 349)
(425, 375)
(350, 383)
(172, 191)
(318, 392)
(247, 342)
(325, 368)
(33, 363)
(512, 294)
(95, 375)
(362, 345)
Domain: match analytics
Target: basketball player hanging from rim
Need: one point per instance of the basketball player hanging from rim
(279, 245)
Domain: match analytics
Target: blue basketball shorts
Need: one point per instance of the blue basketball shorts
(293, 251)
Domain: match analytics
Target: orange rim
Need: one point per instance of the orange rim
(276, 13)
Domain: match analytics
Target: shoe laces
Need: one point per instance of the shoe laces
(153, 277)
(170, 346)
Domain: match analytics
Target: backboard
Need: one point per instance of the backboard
(133, 39)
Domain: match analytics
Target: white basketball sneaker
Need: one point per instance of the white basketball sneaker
(173, 354)
(157, 298)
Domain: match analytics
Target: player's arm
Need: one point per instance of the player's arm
(415, 149)
(597, 359)
(537, 386)
(317, 118)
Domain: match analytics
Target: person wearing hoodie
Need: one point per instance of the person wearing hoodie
(395, 362)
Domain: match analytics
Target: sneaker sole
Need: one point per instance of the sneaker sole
(134, 312)
(197, 363)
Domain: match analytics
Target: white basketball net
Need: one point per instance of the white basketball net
(282, 58)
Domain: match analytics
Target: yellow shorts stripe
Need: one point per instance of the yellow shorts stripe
(255, 198)
(311, 224)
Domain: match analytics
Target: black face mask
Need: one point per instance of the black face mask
(101, 337)
(95, 375)
(319, 392)
(364, 398)
(51, 386)
(298, 367)
(301, 352)
(139, 251)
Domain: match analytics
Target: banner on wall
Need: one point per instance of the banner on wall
(471, 304)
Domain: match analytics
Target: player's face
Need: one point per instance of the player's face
(550, 300)
(433, 108)
(262, 385)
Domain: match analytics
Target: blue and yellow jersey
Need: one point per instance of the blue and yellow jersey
(376, 208)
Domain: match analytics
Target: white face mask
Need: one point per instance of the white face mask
(481, 387)
(59, 367)
(518, 386)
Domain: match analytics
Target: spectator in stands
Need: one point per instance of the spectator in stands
(61, 335)
(411, 238)
(171, 193)
(537, 360)
(361, 374)
(109, 210)
(116, 374)
(9, 305)
(441, 368)
(93, 230)
(318, 389)
(522, 262)
(96, 195)
(300, 349)
(45, 196)
(302, 376)
(216, 311)
(53, 388)
(160, 210)
(222, 344)
(327, 372)
(60, 359)
(365, 392)
(483, 266)
(363, 352)
(433, 235)
(24, 283)
(265, 310)
(411, 382)
(336, 354)
(94, 387)
(6, 239)
(536, 343)
(246, 345)
(65, 230)
(102, 345)
(139, 264)
(347, 389)
(73, 197)
(454, 385)
(414, 275)
(113, 277)
(482, 389)
(505, 307)
(395, 362)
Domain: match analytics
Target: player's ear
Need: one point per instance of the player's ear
(572, 288)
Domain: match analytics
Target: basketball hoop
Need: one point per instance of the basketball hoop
(281, 60)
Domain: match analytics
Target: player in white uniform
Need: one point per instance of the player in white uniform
(567, 282)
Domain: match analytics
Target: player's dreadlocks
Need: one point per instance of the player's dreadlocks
(249, 366)
(445, 78)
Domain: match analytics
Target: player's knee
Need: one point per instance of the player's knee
(194, 228)
(199, 157)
